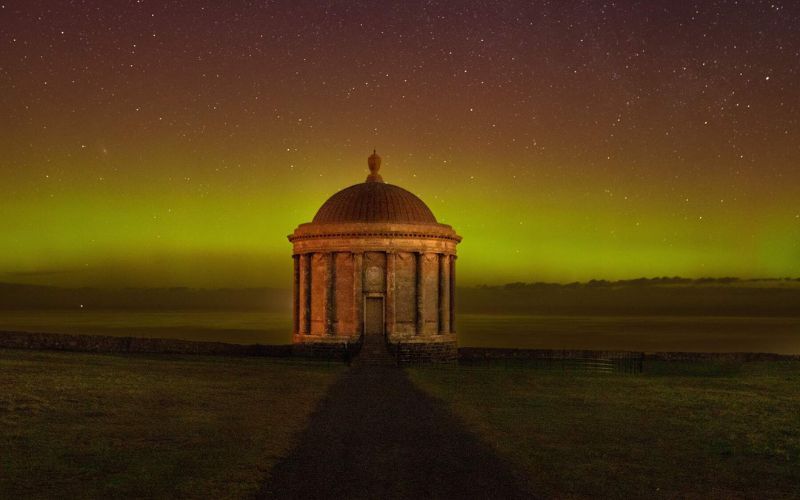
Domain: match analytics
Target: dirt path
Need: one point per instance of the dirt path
(375, 435)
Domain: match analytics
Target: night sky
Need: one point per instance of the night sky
(166, 143)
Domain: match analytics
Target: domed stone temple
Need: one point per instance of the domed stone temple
(375, 262)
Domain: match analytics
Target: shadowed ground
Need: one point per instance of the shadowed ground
(375, 435)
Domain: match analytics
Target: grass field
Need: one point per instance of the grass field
(637, 333)
(80, 425)
(694, 430)
(99, 426)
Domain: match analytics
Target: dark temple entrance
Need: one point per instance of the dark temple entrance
(373, 316)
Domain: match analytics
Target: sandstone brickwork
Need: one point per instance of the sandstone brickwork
(425, 351)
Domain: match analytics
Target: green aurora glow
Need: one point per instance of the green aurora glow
(190, 233)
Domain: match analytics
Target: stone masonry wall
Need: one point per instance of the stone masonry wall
(485, 354)
(343, 351)
(108, 344)
(424, 352)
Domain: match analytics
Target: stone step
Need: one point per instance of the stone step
(375, 352)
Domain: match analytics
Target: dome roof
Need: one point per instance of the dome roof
(374, 202)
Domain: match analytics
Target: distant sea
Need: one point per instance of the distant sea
(635, 333)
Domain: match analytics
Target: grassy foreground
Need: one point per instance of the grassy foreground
(81, 425)
(701, 430)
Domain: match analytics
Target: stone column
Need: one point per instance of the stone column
(330, 293)
(420, 293)
(319, 293)
(296, 295)
(453, 294)
(305, 293)
(358, 294)
(390, 292)
(344, 295)
(444, 293)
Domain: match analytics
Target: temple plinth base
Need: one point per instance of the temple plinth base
(438, 349)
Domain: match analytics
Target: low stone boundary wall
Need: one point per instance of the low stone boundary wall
(487, 354)
(720, 356)
(338, 350)
(404, 352)
(109, 344)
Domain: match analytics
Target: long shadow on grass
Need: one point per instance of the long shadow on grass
(375, 435)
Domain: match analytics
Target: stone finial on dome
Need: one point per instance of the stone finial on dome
(374, 162)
